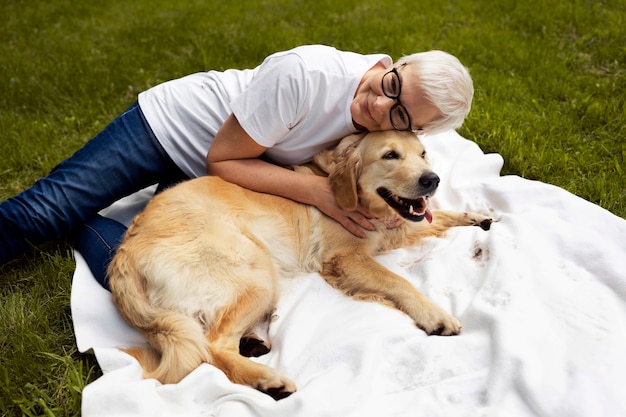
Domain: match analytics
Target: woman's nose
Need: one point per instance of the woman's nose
(383, 104)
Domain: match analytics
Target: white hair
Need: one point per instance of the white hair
(446, 83)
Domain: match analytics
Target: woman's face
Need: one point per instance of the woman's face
(371, 108)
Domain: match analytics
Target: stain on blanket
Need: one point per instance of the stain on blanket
(480, 254)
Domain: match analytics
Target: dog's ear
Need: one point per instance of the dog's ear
(344, 176)
(328, 158)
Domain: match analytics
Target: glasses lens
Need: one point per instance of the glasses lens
(400, 119)
(391, 84)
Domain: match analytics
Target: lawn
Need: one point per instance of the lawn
(550, 80)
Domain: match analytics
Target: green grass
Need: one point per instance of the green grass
(550, 97)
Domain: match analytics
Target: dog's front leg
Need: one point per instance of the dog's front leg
(448, 218)
(361, 277)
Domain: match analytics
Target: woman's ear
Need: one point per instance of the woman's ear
(344, 176)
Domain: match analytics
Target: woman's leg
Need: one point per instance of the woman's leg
(98, 239)
(97, 242)
(125, 157)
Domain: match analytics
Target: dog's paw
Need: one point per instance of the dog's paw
(253, 347)
(277, 387)
(485, 224)
(439, 323)
(479, 220)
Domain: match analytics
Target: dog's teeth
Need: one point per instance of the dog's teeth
(411, 209)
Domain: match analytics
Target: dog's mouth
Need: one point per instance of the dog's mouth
(413, 209)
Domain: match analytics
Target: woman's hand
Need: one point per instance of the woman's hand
(324, 199)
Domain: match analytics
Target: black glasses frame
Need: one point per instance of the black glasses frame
(398, 106)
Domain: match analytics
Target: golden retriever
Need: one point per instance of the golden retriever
(198, 268)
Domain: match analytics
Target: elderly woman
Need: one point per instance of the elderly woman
(241, 125)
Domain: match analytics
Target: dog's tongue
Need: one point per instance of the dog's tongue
(429, 216)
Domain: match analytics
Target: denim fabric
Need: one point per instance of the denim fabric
(125, 157)
(97, 241)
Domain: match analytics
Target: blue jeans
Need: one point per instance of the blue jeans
(122, 159)
(98, 240)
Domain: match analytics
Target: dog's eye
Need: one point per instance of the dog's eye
(391, 155)
(424, 154)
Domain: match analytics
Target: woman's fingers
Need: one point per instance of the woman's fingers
(361, 220)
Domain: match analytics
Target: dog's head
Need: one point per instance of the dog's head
(383, 171)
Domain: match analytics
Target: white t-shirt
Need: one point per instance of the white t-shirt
(295, 103)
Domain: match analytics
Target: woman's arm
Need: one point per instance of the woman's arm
(234, 156)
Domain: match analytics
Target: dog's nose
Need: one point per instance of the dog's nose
(429, 181)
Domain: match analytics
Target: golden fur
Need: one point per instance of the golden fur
(198, 268)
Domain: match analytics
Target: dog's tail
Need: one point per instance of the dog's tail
(177, 342)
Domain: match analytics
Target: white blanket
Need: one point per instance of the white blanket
(542, 299)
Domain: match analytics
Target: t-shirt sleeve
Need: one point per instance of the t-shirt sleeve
(274, 101)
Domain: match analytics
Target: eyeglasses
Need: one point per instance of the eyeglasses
(399, 115)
